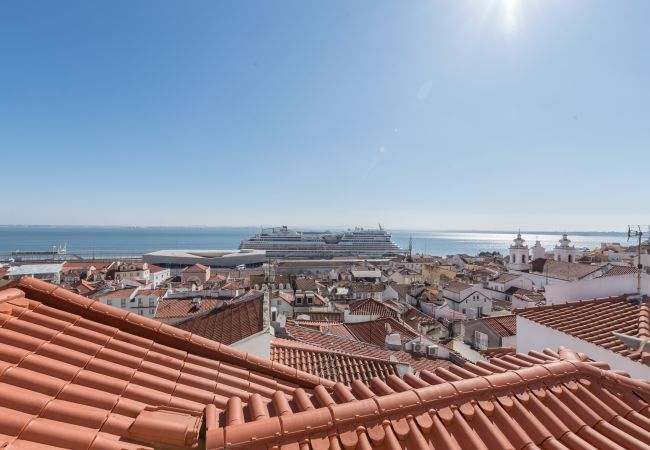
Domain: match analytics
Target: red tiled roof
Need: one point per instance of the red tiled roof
(539, 400)
(155, 269)
(196, 268)
(85, 287)
(306, 284)
(337, 329)
(230, 323)
(119, 293)
(375, 331)
(498, 352)
(156, 292)
(335, 366)
(359, 348)
(457, 287)
(75, 373)
(83, 265)
(171, 308)
(504, 326)
(621, 270)
(505, 277)
(595, 320)
(372, 307)
(414, 317)
(562, 270)
(324, 316)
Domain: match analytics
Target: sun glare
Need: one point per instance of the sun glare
(510, 12)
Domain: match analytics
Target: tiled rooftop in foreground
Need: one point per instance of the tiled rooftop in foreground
(78, 374)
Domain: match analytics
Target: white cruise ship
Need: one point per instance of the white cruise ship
(281, 242)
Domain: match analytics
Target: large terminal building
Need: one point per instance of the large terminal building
(177, 260)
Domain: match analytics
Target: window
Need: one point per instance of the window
(480, 340)
(109, 302)
(523, 258)
(310, 300)
(123, 303)
(299, 301)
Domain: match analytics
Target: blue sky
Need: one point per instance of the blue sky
(468, 114)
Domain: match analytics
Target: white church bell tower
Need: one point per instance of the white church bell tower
(518, 254)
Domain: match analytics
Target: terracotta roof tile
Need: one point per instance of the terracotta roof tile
(229, 323)
(373, 307)
(457, 287)
(196, 268)
(78, 374)
(118, 293)
(306, 284)
(505, 277)
(171, 308)
(540, 400)
(335, 366)
(620, 270)
(504, 326)
(595, 320)
(375, 331)
(563, 270)
(360, 348)
(75, 373)
(498, 352)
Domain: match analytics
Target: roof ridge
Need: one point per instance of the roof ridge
(334, 352)
(411, 403)
(336, 336)
(52, 295)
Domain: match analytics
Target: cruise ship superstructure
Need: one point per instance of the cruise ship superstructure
(282, 242)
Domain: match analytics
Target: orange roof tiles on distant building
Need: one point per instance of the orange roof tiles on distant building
(375, 331)
(118, 293)
(75, 373)
(502, 325)
(199, 268)
(229, 323)
(156, 292)
(359, 348)
(620, 270)
(323, 316)
(457, 287)
(372, 307)
(171, 308)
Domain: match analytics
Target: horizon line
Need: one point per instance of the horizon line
(322, 227)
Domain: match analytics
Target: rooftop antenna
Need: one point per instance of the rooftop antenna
(634, 231)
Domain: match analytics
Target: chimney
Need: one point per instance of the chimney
(393, 341)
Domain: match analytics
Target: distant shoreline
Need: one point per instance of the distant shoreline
(309, 228)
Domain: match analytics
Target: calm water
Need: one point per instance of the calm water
(108, 241)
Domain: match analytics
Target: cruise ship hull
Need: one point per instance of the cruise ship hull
(359, 243)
